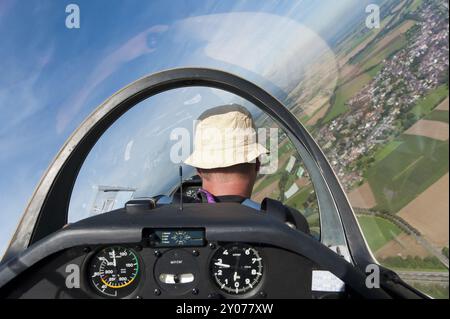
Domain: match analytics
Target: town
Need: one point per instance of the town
(380, 111)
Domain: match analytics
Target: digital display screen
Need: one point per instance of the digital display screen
(175, 237)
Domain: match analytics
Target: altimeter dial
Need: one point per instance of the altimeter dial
(237, 269)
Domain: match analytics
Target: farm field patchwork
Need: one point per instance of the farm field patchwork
(430, 101)
(344, 93)
(403, 245)
(362, 197)
(444, 106)
(388, 149)
(429, 212)
(438, 115)
(378, 231)
(381, 53)
(433, 129)
(407, 171)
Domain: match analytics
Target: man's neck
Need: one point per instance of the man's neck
(233, 188)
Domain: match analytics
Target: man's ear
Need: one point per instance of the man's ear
(201, 173)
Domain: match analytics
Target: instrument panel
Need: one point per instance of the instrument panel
(236, 269)
(171, 263)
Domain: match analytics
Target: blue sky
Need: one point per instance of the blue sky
(52, 77)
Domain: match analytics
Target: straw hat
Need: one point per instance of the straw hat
(225, 136)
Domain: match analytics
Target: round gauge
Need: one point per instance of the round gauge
(176, 272)
(191, 191)
(237, 269)
(114, 271)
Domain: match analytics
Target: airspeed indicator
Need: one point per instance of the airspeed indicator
(114, 271)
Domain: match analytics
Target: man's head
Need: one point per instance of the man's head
(233, 180)
(226, 151)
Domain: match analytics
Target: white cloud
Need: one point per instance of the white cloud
(130, 50)
(196, 99)
(127, 154)
(275, 47)
(18, 100)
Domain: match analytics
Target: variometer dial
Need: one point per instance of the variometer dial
(237, 269)
(114, 271)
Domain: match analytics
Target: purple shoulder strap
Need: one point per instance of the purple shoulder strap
(209, 197)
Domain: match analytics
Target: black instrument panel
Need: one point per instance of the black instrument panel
(141, 270)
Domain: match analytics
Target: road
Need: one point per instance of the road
(405, 226)
(424, 276)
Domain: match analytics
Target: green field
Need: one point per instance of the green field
(298, 199)
(407, 171)
(286, 147)
(388, 149)
(378, 231)
(372, 72)
(437, 291)
(365, 53)
(414, 5)
(397, 44)
(344, 93)
(353, 42)
(437, 115)
(430, 263)
(302, 202)
(267, 180)
(430, 101)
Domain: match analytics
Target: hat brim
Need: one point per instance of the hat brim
(199, 160)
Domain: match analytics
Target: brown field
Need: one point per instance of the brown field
(266, 192)
(429, 212)
(343, 60)
(392, 36)
(362, 197)
(433, 129)
(443, 106)
(315, 104)
(348, 70)
(316, 88)
(303, 182)
(321, 113)
(282, 161)
(402, 245)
